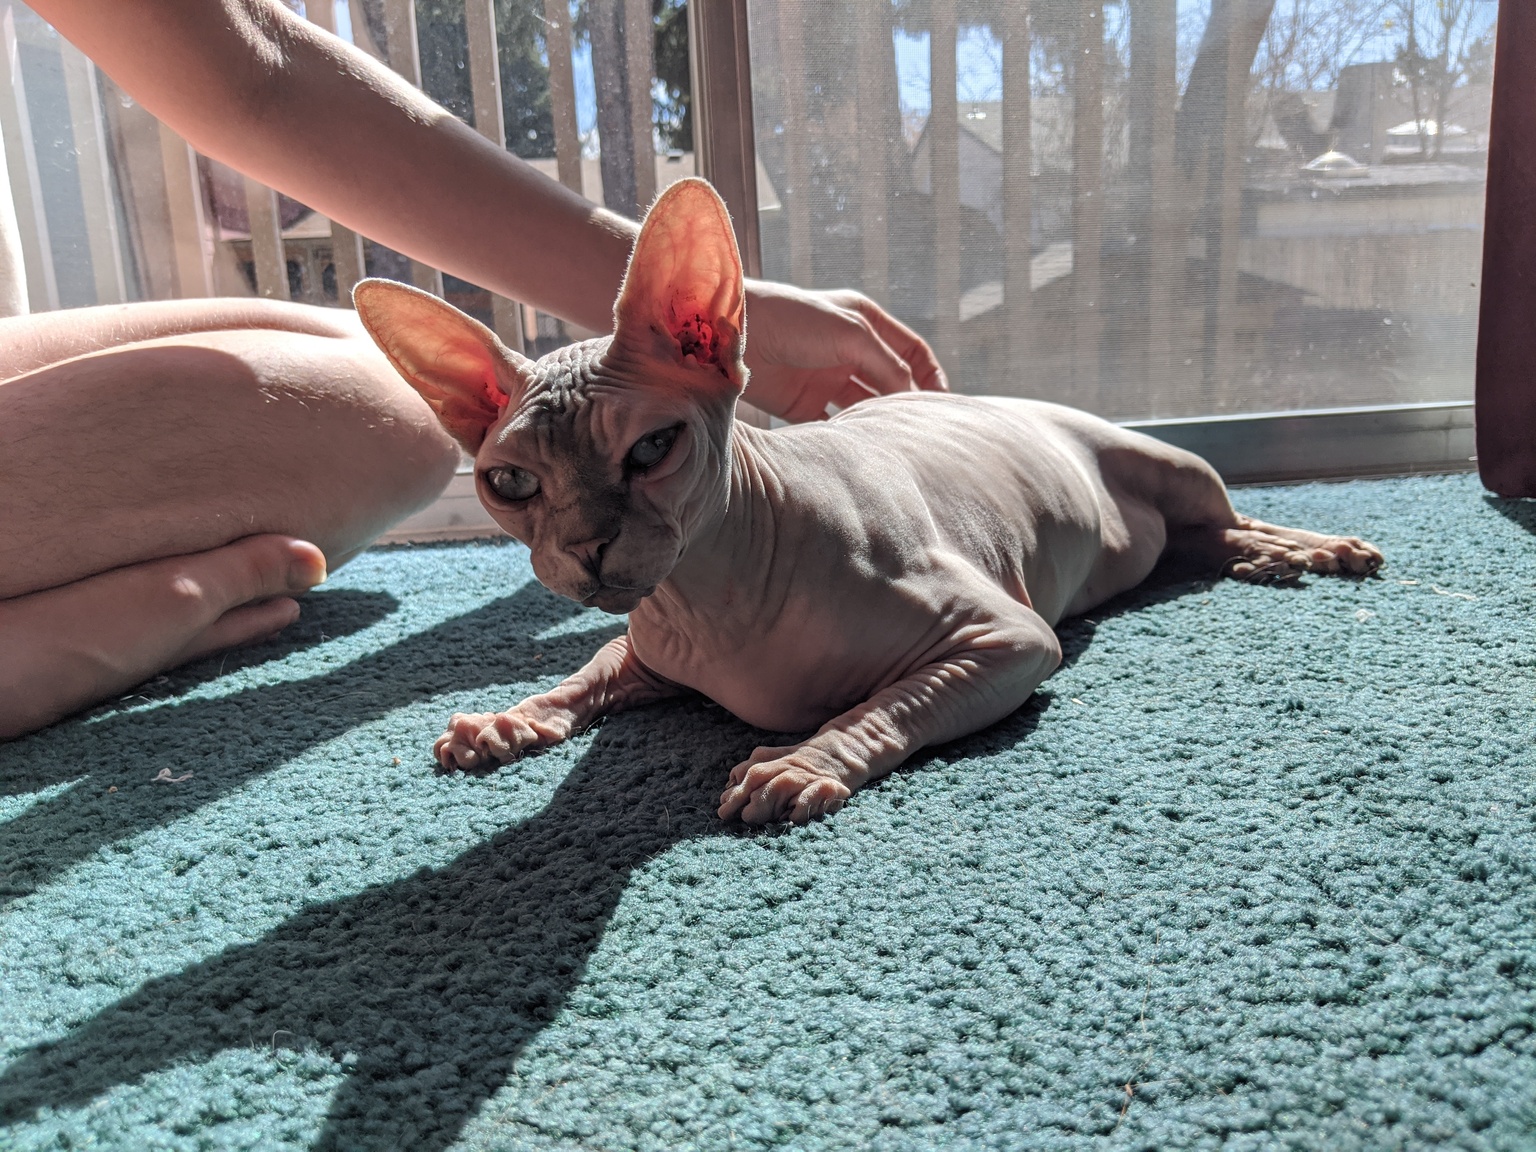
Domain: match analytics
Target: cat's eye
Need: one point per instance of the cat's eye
(652, 448)
(512, 483)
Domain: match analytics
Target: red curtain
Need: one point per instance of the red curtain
(1506, 342)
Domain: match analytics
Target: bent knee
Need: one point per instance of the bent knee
(340, 447)
(177, 446)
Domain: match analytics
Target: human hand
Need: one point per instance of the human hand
(808, 349)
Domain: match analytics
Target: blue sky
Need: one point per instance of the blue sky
(978, 55)
(977, 60)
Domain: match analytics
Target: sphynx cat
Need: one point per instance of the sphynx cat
(888, 579)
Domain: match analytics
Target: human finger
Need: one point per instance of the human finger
(798, 395)
(926, 371)
(826, 391)
(849, 392)
(871, 359)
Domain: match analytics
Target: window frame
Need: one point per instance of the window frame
(1389, 439)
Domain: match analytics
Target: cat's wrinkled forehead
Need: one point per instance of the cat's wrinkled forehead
(657, 371)
(563, 378)
(560, 405)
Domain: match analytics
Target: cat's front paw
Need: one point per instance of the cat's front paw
(480, 741)
(797, 783)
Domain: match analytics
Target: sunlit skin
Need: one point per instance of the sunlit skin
(887, 580)
(174, 474)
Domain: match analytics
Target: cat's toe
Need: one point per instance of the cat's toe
(760, 755)
(473, 742)
(819, 798)
(793, 787)
(453, 754)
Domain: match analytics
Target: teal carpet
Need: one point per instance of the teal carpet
(1255, 869)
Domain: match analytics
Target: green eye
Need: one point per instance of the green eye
(512, 483)
(650, 450)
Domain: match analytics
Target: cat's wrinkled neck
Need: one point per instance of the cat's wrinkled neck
(733, 549)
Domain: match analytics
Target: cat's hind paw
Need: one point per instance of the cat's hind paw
(1262, 553)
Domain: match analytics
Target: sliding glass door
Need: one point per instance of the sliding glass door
(1152, 208)
(1159, 210)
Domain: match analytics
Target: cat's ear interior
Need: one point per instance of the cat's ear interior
(461, 369)
(683, 297)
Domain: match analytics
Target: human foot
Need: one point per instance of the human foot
(67, 647)
(247, 587)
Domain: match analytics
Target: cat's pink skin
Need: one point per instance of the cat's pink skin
(889, 579)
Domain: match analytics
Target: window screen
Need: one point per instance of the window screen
(1151, 208)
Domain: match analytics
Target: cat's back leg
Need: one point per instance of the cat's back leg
(1152, 481)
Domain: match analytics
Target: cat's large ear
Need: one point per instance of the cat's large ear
(461, 369)
(682, 296)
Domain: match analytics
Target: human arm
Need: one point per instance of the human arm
(252, 85)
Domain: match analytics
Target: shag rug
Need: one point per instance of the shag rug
(1254, 869)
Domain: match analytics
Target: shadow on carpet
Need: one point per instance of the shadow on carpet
(425, 989)
(434, 982)
(1252, 869)
(227, 740)
(1521, 512)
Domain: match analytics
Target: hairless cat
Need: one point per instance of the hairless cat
(888, 579)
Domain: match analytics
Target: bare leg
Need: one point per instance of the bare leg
(28, 343)
(285, 423)
(176, 445)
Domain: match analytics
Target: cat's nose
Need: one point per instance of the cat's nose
(589, 553)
